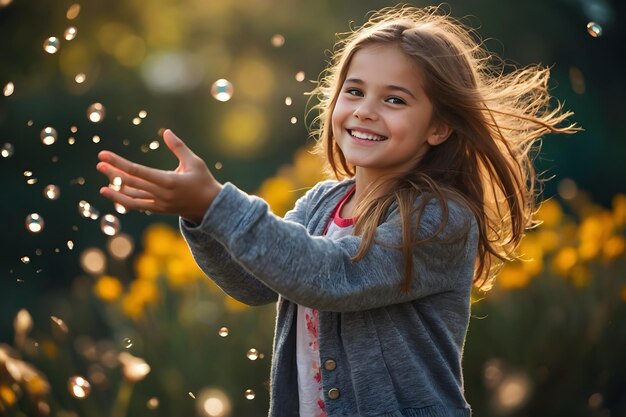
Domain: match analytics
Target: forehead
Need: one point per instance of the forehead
(384, 64)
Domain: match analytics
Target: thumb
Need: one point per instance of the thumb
(178, 147)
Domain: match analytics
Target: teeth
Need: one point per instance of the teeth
(366, 136)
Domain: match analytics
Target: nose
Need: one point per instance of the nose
(365, 110)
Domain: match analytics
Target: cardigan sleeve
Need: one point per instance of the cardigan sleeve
(218, 264)
(318, 272)
(222, 267)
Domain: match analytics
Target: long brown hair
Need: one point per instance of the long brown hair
(497, 115)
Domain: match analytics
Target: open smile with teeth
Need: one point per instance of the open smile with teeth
(366, 136)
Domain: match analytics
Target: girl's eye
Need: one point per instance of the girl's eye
(354, 92)
(395, 100)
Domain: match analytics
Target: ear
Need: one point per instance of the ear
(439, 133)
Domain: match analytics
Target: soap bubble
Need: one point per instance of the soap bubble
(87, 210)
(34, 223)
(51, 45)
(249, 394)
(79, 387)
(48, 135)
(96, 112)
(8, 89)
(594, 29)
(253, 354)
(110, 225)
(223, 331)
(7, 150)
(116, 183)
(51, 192)
(222, 90)
(70, 33)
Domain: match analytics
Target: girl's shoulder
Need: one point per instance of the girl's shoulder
(318, 202)
(327, 188)
(446, 217)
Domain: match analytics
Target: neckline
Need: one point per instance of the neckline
(337, 219)
(334, 217)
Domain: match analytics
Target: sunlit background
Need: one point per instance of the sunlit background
(104, 313)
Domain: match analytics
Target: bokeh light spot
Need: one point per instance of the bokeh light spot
(110, 225)
(222, 90)
(96, 112)
(51, 45)
(7, 150)
(594, 29)
(8, 89)
(34, 223)
(121, 246)
(79, 387)
(52, 192)
(48, 135)
(93, 261)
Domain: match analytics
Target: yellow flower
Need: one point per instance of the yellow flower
(7, 395)
(132, 306)
(279, 192)
(158, 239)
(513, 276)
(588, 249)
(592, 233)
(531, 254)
(177, 273)
(550, 213)
(565, 260)
(233, 305)
(108, 288)
(145, 292)
(37, 385)
(181, 268)
(147, 267)
(569, 233)
(308, 168)
(548, 239)
(613, 247)
(619, 209)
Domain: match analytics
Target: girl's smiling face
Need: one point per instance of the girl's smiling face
(382, 118)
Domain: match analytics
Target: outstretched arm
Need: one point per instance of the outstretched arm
(187, 191)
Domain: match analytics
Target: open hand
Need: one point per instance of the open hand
(187, 191)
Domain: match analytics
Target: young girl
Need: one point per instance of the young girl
(430, 144)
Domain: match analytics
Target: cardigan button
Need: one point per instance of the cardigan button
(330, 365)
(333, 393)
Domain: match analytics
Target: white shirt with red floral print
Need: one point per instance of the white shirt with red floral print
(307, 350)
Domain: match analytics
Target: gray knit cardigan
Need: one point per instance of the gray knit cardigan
(384, 351)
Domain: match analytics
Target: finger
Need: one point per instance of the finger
(129, 203)
(152, 175)
(111, 172)
(136, 193)
(178, 147)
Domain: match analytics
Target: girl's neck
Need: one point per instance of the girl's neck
(363, 181)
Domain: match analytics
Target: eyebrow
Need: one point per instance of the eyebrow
(391, 86)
